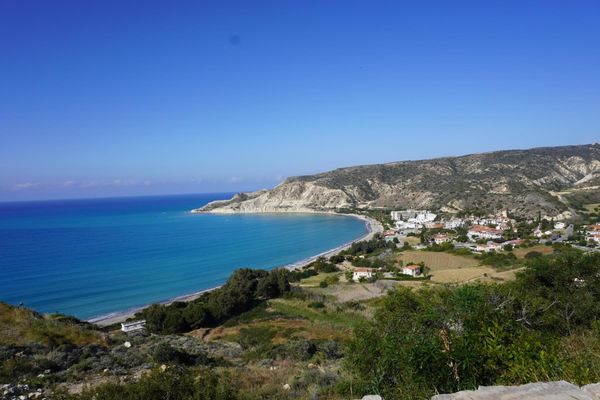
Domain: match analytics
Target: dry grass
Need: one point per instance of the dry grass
(451, 268)
(521, 252)
(358, 291)
(290, 318)
(591, 207)
(313, 281)
(438, 261)
(284, 327)
(19, 326)
(412, 240)
(460, 275)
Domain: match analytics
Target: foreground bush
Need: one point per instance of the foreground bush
(544, 326)
(171, 384)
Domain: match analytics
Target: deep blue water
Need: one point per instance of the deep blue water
(96, 256)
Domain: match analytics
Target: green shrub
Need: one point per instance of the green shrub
(245, 289)
(543, 326)
(172, 384)
(316, 304)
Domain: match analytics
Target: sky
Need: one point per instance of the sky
(110, 98)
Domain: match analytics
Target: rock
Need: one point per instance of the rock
(593, 390)
(127, 345)
(372, 397)
(265, 363)
(532, 391)
(287, 386)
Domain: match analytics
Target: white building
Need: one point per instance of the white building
(483, 232)
(412, 270)
(440, 238)
(489, 246)
(133, 326)
(454, 223)
(365, 273)
(593, 233)
(412, 219)
(560, 225)
(538, 233)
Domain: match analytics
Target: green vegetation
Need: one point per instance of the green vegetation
(172, 384)
(245, 289)
(20, 326)
(369, 247)
(543, 326)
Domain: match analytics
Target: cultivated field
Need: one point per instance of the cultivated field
(460, 275)
(437, 261)
(521, 252)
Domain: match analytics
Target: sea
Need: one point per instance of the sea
(94, 257)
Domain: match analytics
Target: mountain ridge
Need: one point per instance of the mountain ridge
(521, 182)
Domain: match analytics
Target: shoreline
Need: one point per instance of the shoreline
(373, 227)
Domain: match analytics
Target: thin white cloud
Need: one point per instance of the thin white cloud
(26, 185)
(115, 182)
(234, 179)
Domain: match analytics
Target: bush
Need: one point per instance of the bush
(316, 304)
(336, 259)
(533, 254)
(256, 337)
(245, 289)
(300, 350)
(172, 384)
(540, 327)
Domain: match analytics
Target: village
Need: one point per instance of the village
(475, 235)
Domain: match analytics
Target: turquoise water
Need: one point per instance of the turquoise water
(97, 256)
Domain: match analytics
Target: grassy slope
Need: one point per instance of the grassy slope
(19, 326)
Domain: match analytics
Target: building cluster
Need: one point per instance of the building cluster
(414, 219)
(483, 234)
(593, 233)
(493, 233)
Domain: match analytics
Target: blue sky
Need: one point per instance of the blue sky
(106, 98)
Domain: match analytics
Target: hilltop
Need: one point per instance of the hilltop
(550, 180)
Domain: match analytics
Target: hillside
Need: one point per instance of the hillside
(547, 179)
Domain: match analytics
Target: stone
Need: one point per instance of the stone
(593, 390)
(287, 386)
(560, 390)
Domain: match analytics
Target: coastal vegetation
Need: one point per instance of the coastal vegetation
(245, 289)
(542, 326)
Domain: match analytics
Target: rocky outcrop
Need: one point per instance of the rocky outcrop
(532, 391)
(522, 182)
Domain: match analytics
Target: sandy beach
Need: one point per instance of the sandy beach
(372, 225)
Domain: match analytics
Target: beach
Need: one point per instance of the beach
(373, 227)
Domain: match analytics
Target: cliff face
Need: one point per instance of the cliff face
(520, 181)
